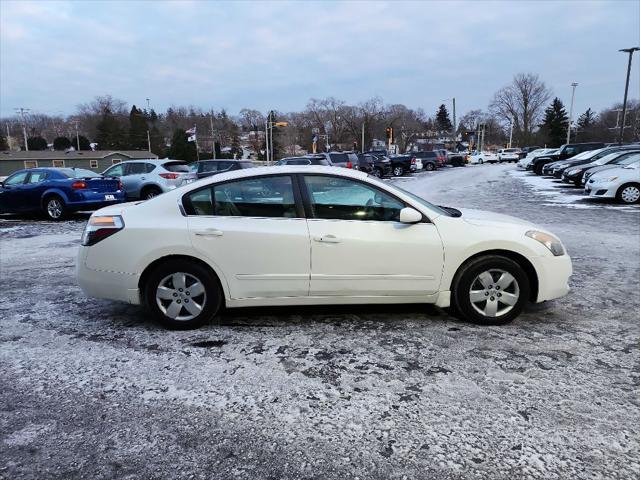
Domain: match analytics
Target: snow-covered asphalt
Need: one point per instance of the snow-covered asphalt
(93, 389)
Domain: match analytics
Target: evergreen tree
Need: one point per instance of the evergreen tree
(85, 144)
(586, 125)
(443, 122)
(555, 123)
(36, 143)
(137, 129)
(61, 143)
(110, 135)
(180, 148)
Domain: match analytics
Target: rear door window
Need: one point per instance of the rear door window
(37, 177)
(270, 197)
(136, 168)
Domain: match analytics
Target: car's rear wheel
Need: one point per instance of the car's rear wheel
(480, 161)
(629, 193)
(398, 171)
(55, 208)
(377, 172)
(430, 167)
(490, 290)
(182, 294)
(150, 192)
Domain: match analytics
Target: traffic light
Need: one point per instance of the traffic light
(389, 132)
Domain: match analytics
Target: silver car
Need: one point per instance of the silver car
(144, 179)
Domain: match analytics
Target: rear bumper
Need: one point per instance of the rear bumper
(119, 286)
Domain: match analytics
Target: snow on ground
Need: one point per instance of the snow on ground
(94, 389)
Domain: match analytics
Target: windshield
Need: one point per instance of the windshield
(631, 159)
(418, 199)
(79, 173)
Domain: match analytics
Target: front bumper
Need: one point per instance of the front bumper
(553, 276)
(117, 286)
(601, 190)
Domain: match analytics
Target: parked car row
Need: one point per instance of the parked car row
(603, 171)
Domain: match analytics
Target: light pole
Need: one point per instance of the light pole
(573, 93)
(22, 111)
(510, 132)
(626, 89)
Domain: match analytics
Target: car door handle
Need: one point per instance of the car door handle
(210, 232)
(327, 239)
(143, 178)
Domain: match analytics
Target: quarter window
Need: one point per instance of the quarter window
(257, 197)
(343, 199)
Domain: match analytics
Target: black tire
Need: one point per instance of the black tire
(538, 169)
(622, 195)
(377, 172)
(54, 208)
(480, 162)
(430, 167)
(467, 277)
(211, 299)
(150, 192)
(398, 170)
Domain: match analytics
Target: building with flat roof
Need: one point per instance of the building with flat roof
(96, 160)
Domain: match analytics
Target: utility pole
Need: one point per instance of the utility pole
(455, 129)
(626, 90)
(148, 108)
(510, 133)
(266, 135)
(362, 145)
(148, 140)
(8, 137)
(271, 135)
(22, 111)
(213, 139)
(573, 93)
(77, 136)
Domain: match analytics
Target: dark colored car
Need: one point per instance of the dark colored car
(556, 169)
(344, 159)
(430, 160)
(574, 173)
(566, 151)
(207, 168)
(306, 160)
(58, 191)
(381, 164)
(442, 157)
(455, 159)
(401, 164)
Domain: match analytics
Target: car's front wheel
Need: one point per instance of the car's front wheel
(398, 171)
(182, 294)
(629, 193)
(55, 208)
(490, 290)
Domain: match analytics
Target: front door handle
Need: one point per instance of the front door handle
(209, 232)
(327, 239)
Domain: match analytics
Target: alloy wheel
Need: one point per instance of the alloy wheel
(54, 208)
(181, 296)
(494, 293)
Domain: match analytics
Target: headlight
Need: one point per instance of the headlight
(549, 241)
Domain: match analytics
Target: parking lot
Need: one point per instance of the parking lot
(94, 389)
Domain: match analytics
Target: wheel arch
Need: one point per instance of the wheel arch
(150, 267)
(520, 259)
(53, 192)
(149, 186)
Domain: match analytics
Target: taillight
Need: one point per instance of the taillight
(79, 185)
(349, 165)
(119, 185)
(413, 160)
(170, 176)
(99, 228)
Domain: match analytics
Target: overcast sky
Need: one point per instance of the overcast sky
(55, 55)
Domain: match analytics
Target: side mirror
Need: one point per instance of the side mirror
(409, 215)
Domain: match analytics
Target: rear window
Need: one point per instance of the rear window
(339, 157)
(176, 167)
(320, 161)
(79, 173)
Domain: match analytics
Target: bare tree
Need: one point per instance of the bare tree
(522, 102)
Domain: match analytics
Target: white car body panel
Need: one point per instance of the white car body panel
(266, 261)
(482, 157)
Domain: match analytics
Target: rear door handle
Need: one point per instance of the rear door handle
(210, 232)
(327, 239)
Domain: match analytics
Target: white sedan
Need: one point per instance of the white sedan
(508, 155)
(314, 235)
(482, 157)
(621, 183)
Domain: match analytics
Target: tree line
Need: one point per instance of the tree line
(524, 107)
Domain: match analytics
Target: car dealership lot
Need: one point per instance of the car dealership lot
(94, 388)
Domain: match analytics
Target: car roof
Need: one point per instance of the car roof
(155, 161)
(283, 170)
